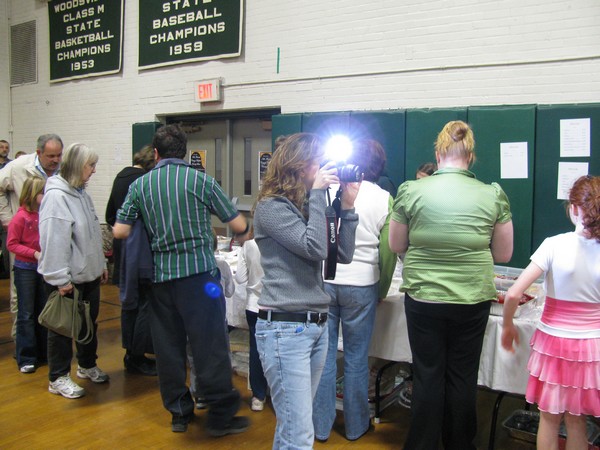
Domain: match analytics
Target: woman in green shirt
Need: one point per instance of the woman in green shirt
(452, 228)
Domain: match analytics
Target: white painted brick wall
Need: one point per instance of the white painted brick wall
(335, 55)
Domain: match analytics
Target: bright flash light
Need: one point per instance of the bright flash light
(338, 148)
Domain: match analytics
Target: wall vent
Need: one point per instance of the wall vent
(23, 53)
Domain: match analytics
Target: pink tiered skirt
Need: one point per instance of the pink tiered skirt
(564, 373)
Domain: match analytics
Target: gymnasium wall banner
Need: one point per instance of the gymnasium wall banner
(183, 31)
(86, 38)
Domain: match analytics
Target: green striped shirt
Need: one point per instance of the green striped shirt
(451, 218)
(176, 202)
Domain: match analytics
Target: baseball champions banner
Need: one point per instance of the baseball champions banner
(86, 38)
(181, 31)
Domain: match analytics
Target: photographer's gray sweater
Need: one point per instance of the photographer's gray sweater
(292, 251)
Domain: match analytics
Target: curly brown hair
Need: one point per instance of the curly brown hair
(291, 157)
(585, 194)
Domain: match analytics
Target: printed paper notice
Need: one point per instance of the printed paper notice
(513, 160)
(574, 137)
(567, 174)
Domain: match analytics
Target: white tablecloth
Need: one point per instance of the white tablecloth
(498, 369)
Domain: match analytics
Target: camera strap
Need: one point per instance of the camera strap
(331, 217)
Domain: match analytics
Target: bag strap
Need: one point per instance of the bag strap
(81, 313)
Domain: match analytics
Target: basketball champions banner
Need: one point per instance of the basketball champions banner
(86, 38)
(182, 31)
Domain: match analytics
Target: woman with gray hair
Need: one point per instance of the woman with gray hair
(72, 258)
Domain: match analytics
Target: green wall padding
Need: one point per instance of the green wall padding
(422, 128)
(493, 125)
(386, 127)
(549, 216)
(142, 134)
(284, 124)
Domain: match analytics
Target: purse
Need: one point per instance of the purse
(68, 316)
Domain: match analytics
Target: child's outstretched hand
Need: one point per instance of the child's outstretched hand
(510, 335)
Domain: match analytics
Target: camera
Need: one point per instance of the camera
(349, 172)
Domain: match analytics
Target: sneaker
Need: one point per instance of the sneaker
(201, 403)
(257, 405)
(238, 424)
(66, 387)
(179, 424)
(27, 368)
(94, 374)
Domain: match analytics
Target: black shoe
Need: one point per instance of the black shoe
(141, 365)
(238, 424)
(179, 424)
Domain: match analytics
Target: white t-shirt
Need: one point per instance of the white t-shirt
(372, 206)
(572, 267)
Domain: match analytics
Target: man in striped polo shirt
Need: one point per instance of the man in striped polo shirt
(175, 202)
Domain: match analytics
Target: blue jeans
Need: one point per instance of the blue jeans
(355, 307)
(293, 355)
(32, 338)
(258, 382)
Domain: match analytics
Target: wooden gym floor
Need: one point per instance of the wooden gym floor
(127, 412)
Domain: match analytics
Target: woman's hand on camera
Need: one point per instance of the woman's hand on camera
(325, 176)
(349, 193)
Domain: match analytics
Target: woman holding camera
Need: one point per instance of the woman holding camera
(290, 229)
(458, 226)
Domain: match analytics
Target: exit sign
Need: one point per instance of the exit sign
(208, 91)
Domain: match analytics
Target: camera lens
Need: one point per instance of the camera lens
(349, 173)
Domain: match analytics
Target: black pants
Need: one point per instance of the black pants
(180, 310)
(445, 341)
(135, 323)
(60, 348)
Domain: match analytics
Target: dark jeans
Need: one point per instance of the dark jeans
(60, 348)
(181, 310)
(32, 338)
(445, 341)
(135, 323)
(258, 382)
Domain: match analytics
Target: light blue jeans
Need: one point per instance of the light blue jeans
(292, 355)
(355, 307)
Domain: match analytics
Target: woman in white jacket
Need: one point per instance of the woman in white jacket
(72, 258)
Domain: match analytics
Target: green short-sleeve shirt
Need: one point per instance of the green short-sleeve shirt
(450, 217)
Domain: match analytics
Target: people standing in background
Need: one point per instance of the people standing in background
(72, 258)
(564, 365)
(143, 161)
(4, 151)
(20, 153)
(458, 227)
(24, 243)
(290, 228)
(425, 170)
(176, 202)
(132, 271)
(45, 162)
(5, 261)
(355, 292)
(249, 271)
